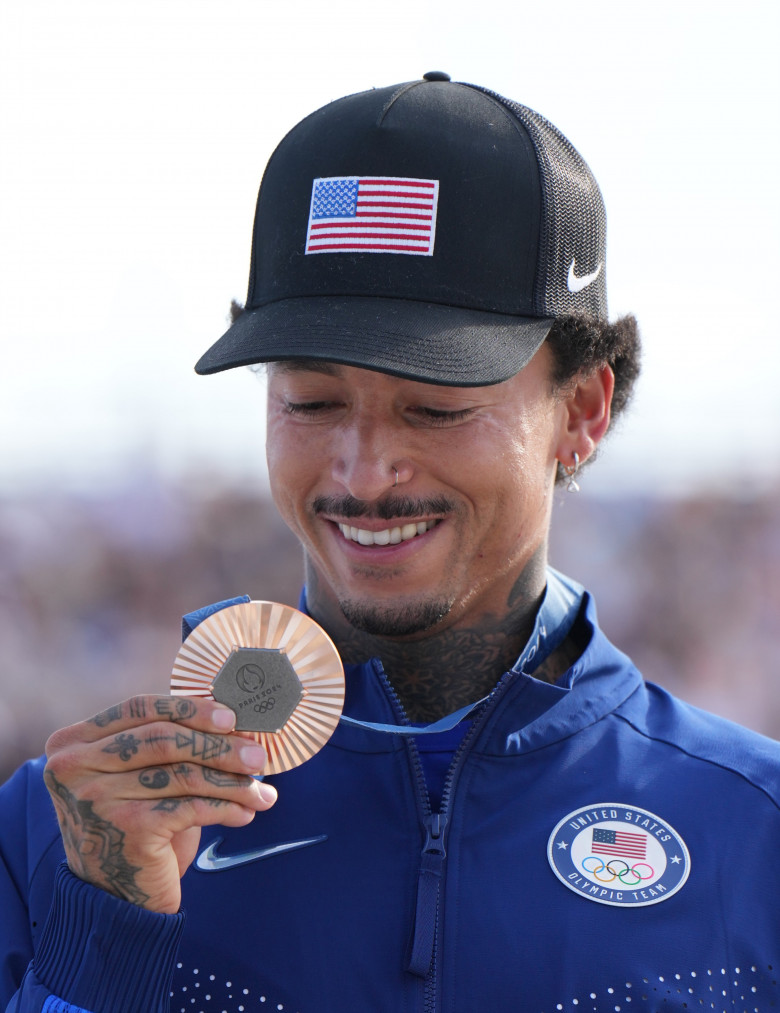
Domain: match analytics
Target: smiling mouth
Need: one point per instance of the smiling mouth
(388, 536)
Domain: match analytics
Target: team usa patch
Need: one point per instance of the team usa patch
(372, 214)
(619, 855)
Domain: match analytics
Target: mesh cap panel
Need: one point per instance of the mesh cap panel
(574, 222)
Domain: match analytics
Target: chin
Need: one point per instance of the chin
(395, 620)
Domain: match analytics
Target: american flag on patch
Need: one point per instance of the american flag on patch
(372, 214)
(618, 842)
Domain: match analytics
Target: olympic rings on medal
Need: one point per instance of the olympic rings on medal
(614, 874)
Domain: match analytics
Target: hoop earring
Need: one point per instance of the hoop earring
(570, 471)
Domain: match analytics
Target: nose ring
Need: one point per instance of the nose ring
(396, 475)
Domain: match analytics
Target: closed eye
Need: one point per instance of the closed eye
(441, 417)
(420, 414)
(309, 408)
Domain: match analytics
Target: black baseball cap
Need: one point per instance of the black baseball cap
(430, 230)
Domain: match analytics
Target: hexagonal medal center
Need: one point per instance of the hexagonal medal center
(261, 686)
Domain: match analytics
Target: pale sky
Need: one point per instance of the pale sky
(134, 136)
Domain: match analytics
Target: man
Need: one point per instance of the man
(428, 289)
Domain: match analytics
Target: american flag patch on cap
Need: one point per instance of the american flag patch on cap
(372, 214)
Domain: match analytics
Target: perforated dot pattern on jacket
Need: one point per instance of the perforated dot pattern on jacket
(203, 991)
(739, 989)
(748, 989)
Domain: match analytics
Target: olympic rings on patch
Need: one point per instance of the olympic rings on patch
(615, 874)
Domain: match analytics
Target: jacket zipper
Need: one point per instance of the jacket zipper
(424, 947)
(431, 868)
(429, 879)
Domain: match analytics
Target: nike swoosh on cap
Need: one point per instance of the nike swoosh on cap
(209, 861)
(577, 284)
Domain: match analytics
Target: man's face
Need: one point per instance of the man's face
(471, 509)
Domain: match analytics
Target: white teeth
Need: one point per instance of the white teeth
(389, 536)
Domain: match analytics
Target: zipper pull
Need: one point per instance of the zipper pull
(434, 835)
(428, 884)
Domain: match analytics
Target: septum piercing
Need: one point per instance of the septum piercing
(396, 475)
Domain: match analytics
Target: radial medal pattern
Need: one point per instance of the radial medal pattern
(310, 651)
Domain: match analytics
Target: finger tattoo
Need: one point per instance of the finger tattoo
(167, 805)
(154, 778)
(175, 710)
(198, 745)
(138, 708)
(106, 717)
(124, 745)
(221, 779)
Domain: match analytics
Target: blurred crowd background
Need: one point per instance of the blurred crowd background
(132, 491)
(92, 587)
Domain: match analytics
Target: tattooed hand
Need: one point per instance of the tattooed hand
(133, 786)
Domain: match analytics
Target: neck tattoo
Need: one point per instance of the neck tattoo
(437, 673)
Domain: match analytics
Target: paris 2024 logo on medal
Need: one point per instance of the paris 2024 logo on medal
(275, 668)
(619, 855)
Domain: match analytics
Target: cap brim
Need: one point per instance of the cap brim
(420, 341)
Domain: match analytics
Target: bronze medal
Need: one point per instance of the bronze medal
(276, 668)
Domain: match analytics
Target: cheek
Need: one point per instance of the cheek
(288, 468)
(535, 456)
(288, 446)
(523, 496)
(276, 457)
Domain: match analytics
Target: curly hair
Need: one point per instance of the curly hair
(581, 345)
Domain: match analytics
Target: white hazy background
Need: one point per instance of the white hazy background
(134, 135)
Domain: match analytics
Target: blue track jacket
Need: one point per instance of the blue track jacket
(600, 846)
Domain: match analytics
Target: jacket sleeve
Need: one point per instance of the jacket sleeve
(18, 855)
(14, 934)
(65, 945)
(99, 954)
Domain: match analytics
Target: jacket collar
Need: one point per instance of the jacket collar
(522, 713)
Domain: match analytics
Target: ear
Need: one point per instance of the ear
(586, 416)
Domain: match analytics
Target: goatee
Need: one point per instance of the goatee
(394, 620)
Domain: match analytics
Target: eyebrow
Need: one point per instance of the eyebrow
(305, 366)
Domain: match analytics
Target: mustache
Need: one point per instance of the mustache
(387, 509)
